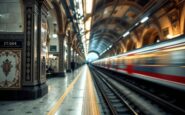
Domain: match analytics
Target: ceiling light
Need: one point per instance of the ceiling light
(88, 24)
(137, 24)
(126, 34)
(144, 19)
(89, 5)
(80, 10)
(54, 35)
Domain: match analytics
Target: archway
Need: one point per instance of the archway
(131, 45)
(150, 37)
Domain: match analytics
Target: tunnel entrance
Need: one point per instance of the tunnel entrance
(92, 56)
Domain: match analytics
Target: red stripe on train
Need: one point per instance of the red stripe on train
(158, 75)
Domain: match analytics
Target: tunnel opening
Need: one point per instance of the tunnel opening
(92, 56)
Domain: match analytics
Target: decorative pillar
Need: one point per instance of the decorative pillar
(73, 61)
(31, 60)
(34, 79)
(61, 55)
(69, 54)
(75, 54)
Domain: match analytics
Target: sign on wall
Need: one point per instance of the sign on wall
(53, 48)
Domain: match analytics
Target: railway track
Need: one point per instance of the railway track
(166, 98)
(116, 104)
(154, 99)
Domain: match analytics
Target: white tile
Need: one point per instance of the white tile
(14, 7)
(3, 8)
(2, 27)
(14, 28)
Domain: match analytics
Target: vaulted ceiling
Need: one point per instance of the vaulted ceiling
(112, 18)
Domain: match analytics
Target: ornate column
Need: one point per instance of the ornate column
(34, 78)
(61, 55)
(73, 60)
(69, 54)
(27, 57)
(75, 63)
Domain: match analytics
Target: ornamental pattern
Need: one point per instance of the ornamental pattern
(29, 18)
(10, 69)
(6, 66)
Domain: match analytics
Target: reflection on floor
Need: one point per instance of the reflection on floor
(65, 97)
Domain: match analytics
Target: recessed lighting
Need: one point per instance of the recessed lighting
(144, 19)
(137, 24)
(126, 34)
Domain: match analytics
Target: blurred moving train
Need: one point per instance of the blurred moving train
(162, 63)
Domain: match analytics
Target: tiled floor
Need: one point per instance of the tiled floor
(72, 104)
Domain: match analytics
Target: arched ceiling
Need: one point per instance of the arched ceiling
(111, 18)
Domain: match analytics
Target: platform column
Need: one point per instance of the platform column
(34, 81)
(69, 53)
(61, 54)
(73, 62)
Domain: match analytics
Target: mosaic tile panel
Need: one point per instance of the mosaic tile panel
(10, 69)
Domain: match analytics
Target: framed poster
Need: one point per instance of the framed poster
(10, 69)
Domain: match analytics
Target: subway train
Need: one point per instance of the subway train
(162, 63)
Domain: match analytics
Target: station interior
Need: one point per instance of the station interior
(92, 57)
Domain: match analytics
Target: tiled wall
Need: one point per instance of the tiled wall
(11, 16)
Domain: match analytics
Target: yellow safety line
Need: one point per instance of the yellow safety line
(59, 102)
(93, 105)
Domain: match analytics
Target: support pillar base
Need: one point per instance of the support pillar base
(25, 93)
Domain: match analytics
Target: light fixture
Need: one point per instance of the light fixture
(169, 36)
(126, 34)
(89, 5)
(137, 24)
(144, 19)
(54, 35)
(54, 31)
(51, 56)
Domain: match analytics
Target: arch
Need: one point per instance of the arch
(118, 49)
(123, 48)
(150, 36)
(58, 12)
(130, 45)
(134, 36)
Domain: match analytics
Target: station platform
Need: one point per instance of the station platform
(73, 94)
